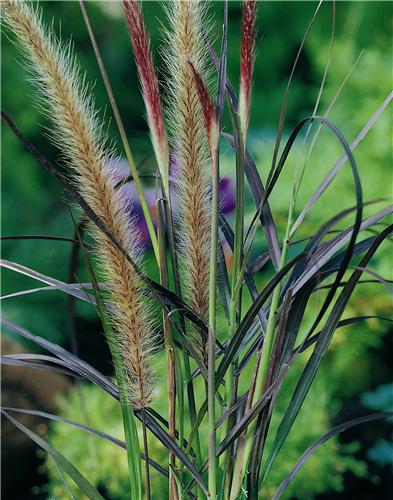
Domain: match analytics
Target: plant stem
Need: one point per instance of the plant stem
(183, 374)
(213, 327)
(246, 440)
(146, 450)
(169, 347)
(129, 423)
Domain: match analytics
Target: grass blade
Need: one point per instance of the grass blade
(340, 163)
(312, 448)
(71, 289)
(316, 358)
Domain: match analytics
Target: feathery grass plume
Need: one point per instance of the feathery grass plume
(149, 83)
(185, 44)
(78, 133)
(247, 53)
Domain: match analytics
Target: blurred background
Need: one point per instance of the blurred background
(359, 464)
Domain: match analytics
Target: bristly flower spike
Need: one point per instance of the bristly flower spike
(78, 133)
(149, 83)
(247, 54)
(191, 149)
(212, 132)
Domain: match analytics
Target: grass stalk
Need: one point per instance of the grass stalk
(262, 369)
(169, 347)
(129, 422)
(183, 372)
(213, 326)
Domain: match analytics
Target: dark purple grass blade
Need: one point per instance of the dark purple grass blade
(94, 376)
(84, 485)
(216, 60)
(343, 283)
(311, 449)
(248, 274)
(328, 249)
(39, 237)
(377, 277)
(302, 295)
(71, 362)
(248, 319)
(288, 146)
(13, 361)
(71, 289)
(313, 245)
(259, 263)
(339, 164)
(359, 202)
(320, 349)
(171, 445)
(94, 432)
(258, 193)
(344, 322)
(243, 423)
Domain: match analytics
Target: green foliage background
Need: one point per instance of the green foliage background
(32, 203)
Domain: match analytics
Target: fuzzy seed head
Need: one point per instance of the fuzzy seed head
(78, 133)
(185, 44)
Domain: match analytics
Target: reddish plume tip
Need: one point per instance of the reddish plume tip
(247, 47)
(208, 108)
(144, 62)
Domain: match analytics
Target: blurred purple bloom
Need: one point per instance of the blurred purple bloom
(119, 171)
(227, 195)
(227, 188)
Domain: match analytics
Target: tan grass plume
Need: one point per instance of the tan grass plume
(185, 45)
(78, 133)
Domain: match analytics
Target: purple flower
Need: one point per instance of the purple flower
(118, 172)
(226, 185)
(227, 195)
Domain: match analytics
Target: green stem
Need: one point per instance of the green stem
(211, 383)
(183, 374)
(172, 369)
(246, 440)
(129, 423)
(234, 313)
